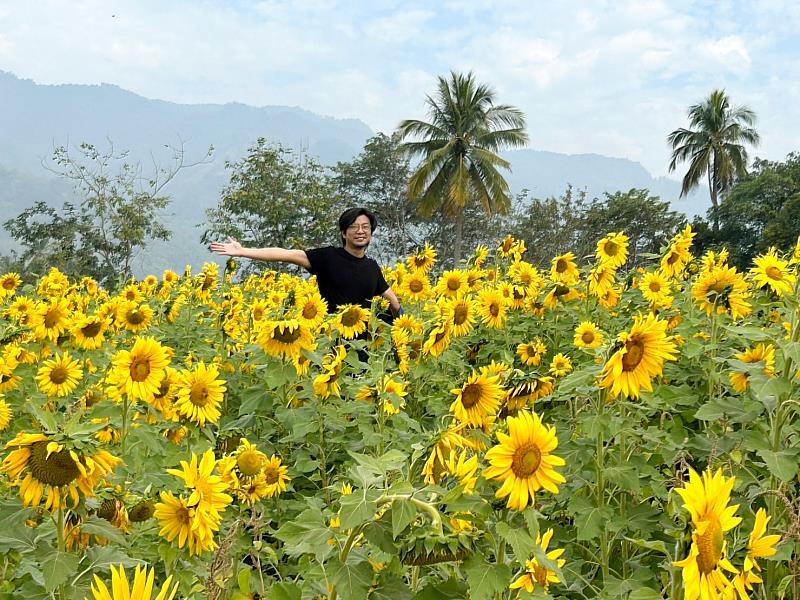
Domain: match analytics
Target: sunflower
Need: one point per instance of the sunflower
(452, 283)
(9, 284)
(656, 289)
(536, 575)
(415, 287)
(612, 250)
(588, 335)
(199, 394)
(89, 331)
(8, 362)
(521, 393)
(249, 459)
(461, 314)
(59, 376)
(448, 442)
(327, 382)
(43, 467)
(706, 498)
(774, 273)
(6, 414)
(50, 319)
(761, 353)
(131, 293)
(560, 294)
(311, 310)
(560, 365)
(524, 275)
(713, 259)
(724, 289)
(409, 323)
(275, 476)
(133, 316)
(479, 256)
(492, 307)
(531, 353)
(351, 320)
(285, 339)
(21, 310)
(138, 372)
(564, 270)
(523, 460)
(610, 299)
(601, 278)
(438, 339)
(640, 357)
(479, 397)
(463, 469)
(142, 586)
(678, 253)
(422, 260)
(759, 545)
(175, 518)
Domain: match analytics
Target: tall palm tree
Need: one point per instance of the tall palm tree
(714, 147)
(458, 150)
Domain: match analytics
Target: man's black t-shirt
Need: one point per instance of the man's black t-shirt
(345, 279)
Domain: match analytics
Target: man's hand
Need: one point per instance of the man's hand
(231, 248)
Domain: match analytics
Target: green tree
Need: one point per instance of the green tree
(120, 211)
(275, 197)
(714, 147)
(458, 151)
(378, 178)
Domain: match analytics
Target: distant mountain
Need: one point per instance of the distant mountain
(34, 118)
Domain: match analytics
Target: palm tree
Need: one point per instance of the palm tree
(714, 147)
(458, 150)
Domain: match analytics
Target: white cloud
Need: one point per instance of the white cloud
(729, 52)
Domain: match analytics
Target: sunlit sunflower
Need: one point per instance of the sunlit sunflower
(536, 575)
(175, 518)
(327, 382)
(706, 498)
(452, 283)
(351, 320)
(522, 392)
(479, 256)
(712, 259)
(131, 293)
(199, 394)
(610, 299)
(311, 310)
(50, 319)
(601, 279)
(722, 289)
(422, 260)
(588, 335)
(21, 310)
(773, 272)
(478, 397)
(531, 353)
(560, 294)
(138, 372)
(133, 316)
(656, 289)
(640, 358)
(461, 312)
(759, 545)
(88, 332)
(525, 275)
(761, 353)
(523, 460)
(415, 287)
(6, 414)
(678, 254)
(59, 376)
(447, 443)
(564, 270)
(275, 476)
(612, 250)
(249, 459)
(408, 322)
(438, 339)
(9, 283)
(143, 581)
(463, 468)
(285, 338)
(560, 365)
(492, 307)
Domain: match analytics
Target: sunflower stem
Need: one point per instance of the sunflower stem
(62, 546)
(601, 484)
(124, 428)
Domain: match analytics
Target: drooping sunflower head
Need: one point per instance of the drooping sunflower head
(438, 339)
(760, 353)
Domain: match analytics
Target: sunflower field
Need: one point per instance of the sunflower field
(576, 430)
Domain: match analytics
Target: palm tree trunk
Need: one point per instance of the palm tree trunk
(459, 234)
(712, 190)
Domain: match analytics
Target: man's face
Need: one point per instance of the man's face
(359, 234)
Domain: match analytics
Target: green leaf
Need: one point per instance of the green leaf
(485, 579)
(626, 477)
(644, 594)
(782, 465)
(390, 587)
(403, 513)
(284, 591)
(101, 527)
(44, 417)
(307, 534)
(451, 589)
(657, 545)
(357, 508)
(519, 539)
(17, 537)
(102, 558)
(588, 518)
(352, 581)
(56, 567)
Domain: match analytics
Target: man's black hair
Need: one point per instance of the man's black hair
(351, 214)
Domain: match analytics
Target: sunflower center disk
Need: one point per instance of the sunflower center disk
(526, 461)
(140, 369)
(91, 330)
(51, 318)
(199, 395)
(453, 285)
(460, 314)
(415, 286)
(470, 395)
(58, 469)
(611, 248)
(633, 355)
(249, 463)
(59, 375)
(655, 286)
(561, 266)
(709, 547)
(271, 475)
(773, 272)
(494, 309)
(135, 317)
(8, 285)
(289, 335)
(309, 311)
(587, 337)
(350, 318)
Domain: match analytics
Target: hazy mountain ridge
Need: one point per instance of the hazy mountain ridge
(34, 118)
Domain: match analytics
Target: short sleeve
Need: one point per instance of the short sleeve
(316, 258)
(381, 285)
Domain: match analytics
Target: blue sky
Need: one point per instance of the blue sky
(610, 77)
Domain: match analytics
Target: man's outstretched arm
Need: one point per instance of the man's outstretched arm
(234, 248)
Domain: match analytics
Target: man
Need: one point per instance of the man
(344, 274)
